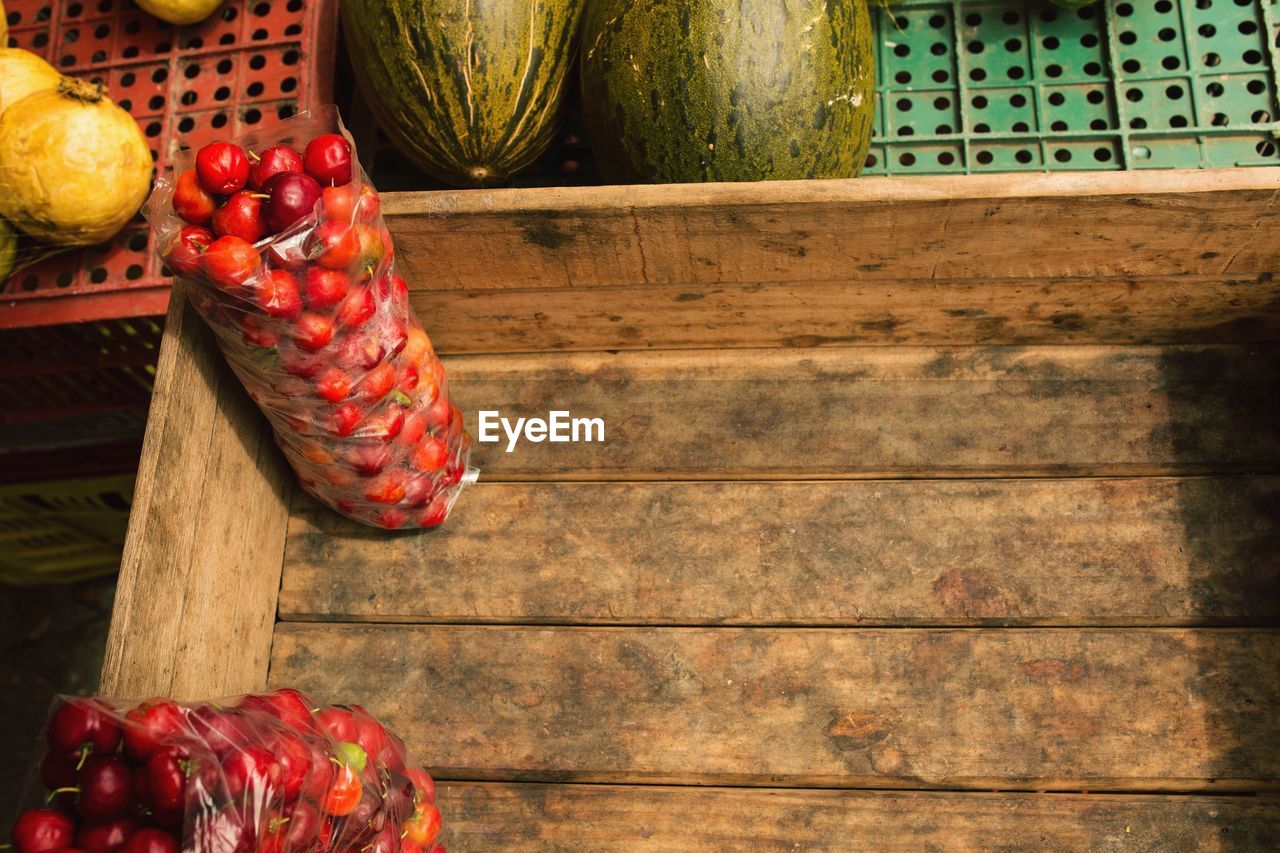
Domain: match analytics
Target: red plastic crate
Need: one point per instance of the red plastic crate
(248, 62)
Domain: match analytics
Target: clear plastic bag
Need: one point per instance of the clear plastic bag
(273, 773)
(317, 325)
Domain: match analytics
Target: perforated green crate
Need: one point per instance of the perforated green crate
(63, 530)
(1140, 84)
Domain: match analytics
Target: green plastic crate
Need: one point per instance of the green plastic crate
(968, 87)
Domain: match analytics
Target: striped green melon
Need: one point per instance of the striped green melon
(728, 90)
(467, 89)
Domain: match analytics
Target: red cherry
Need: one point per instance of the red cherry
(220, 730)
(325, 287)
(276, 160)
(151, 725)
(164, 780)
(279, 295)
(328, 159)
(430, 454)
(42, 831)
(368, 460)
(320, 772)
(335, 245)
(153, 841)
(230, 261)
(340, 202)
(293, 197)
(223, 168)
(293, 707)
(190, 201)
(333, 385)
(251, 768)
(313, 331)
(107, 836)
(241, 216)
(106, 788)
(184, 256)
(346, 418)
(304, 827)
(83, 722)
(357, 307)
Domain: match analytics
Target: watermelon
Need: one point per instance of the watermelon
(728, 90)
(469, 90)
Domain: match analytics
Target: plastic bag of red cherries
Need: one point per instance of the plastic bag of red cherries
(280, 234)
(271, 772)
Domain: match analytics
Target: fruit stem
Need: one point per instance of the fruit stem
(56, 791)
(81, 90)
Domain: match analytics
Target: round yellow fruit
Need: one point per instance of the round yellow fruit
(180, 12)
(22, 73)
(74, 167)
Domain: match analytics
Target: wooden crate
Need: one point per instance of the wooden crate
(936, 511)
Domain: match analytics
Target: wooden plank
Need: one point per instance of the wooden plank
(490, 816)
(1070, 225)
(1006, 552)
(196, 598)
(884, 412)
(1078, 709)
(1187, 309)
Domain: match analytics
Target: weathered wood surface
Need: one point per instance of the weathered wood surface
(196, 599)
(885, 412)
(1148, 551)
(1079, 709)
(1185, 309)
(1061, 225)
(482, 816)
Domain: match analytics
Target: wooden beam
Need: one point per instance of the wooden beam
(1031, 709)
(196, 599)
(1147, 551)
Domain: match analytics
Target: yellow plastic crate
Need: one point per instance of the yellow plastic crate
(60, 531)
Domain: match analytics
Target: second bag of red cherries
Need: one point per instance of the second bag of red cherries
(280, 234)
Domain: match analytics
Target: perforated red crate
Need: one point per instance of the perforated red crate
(248, 62)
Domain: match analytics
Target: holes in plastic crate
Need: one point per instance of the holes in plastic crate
(1007, 156)
(136, 89)
(925, 158)
(1236, 99)
(1007, 110)
(1069, 48)
(920, 44)
(997, 50)
(922, 113)
(1232, 35)
(1078, 107)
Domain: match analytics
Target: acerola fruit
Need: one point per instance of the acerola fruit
(424, 787)
(436, 512)
(337, 723)
(423, 825)
(221, 730)
(386, 423)
(430, 454)
(325, 287)
(368, 460)
(414, 427)
(333, 385)
(184, 256)
(230, 261)
(190, 201)
(293, 708)
(82, 723)
(345, 419)
(241, 216)
(328, 159)
(251, 768)
(42, 831)
(293, 197)
(256, 334)
(377, 383)
(340, 202)
(356, 308)
(335, 245)
(312, 331)
(223, 168)
(387, 489)
(276, 160)
(150, 725)
(294, 758)
(344, 793)
(278, 294)
(417, 346)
